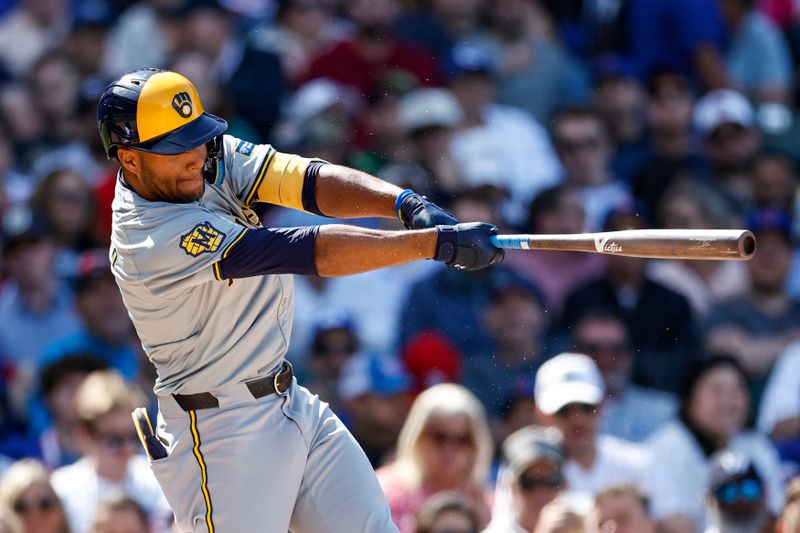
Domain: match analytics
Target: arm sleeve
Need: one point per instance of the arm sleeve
(269, 251)
(258, 173)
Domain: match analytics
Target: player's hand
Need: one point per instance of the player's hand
(467, 246)
(416, 212)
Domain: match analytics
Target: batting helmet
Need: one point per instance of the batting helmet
(156, 111)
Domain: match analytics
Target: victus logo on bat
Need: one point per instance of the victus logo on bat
(605, 245)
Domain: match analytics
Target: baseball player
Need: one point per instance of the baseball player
(210, 293)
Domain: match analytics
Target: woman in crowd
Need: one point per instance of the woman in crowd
(713, 413)
(64, 199)
(25, 488)
(444, 445)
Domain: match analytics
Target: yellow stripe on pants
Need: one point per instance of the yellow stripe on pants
(199, 456)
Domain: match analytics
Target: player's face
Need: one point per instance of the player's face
(168, 178)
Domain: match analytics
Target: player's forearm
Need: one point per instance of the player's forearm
(343, 192)
(342, 250)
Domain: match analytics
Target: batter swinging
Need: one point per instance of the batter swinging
(210, 293)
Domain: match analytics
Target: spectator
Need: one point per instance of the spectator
(146, 33)
(557, 209)
(713, 411)
(373, 50)
(120, 514)
(671, 154)
(334, 343)
(725, 122)
(59, 382)
(374, 391)
(569, 393)
(35, 307)
(64, 198)
(30, 29)
(445, 444)
(301, 30)
(447, 512)
(659, 319)
(685, 36)
(584, 146)
(443, 24)
(453, 305)
(757, 57)
(630, 412)
(737, 499)
(789, 521)
(775, 180)
(621, 509)
(26, 489)
(107, 332)
(693, 205)
(534, 73)
(496, 145)
(515, 320)
(111, 463)
(254, 77)
(9, 523)
(757, 326)
(534, 460)
(428, 116)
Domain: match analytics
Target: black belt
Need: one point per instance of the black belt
(279, 383)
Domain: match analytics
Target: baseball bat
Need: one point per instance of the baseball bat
(650, 243)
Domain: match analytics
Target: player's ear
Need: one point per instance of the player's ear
(128, 159)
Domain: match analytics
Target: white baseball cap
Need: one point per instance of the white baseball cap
(429, 107)
(722, 106)
(568, 378)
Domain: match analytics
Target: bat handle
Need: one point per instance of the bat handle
(511, 242)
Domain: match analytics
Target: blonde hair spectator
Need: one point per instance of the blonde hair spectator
(446, 399)
(25, 489)
(789, 521)
(444, 445)
(104, 392)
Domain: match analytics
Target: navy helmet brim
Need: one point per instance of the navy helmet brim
(188, 137)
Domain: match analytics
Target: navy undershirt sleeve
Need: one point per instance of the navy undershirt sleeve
(272, 251)
(309, 194)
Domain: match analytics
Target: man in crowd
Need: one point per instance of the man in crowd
(620, 509)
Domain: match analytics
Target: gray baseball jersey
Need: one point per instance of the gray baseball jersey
(202, 332)
(264, 464)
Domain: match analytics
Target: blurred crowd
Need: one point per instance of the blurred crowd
(556, 392)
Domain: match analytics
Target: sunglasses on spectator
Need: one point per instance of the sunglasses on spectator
(742, 491)
(323, 349)
(601, 347)
(529, 483)
(118, 442)
(582, 408)
(458, 440)
(574, 145)
(45, 503)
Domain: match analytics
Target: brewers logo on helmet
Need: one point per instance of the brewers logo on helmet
(159, 112)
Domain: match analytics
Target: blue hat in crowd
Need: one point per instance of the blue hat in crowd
(370, 374)
(468, 58)
(770, 219)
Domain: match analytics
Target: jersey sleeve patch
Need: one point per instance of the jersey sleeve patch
(202, 238)
(245, 148)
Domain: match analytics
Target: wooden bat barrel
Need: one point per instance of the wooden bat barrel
(713, 244)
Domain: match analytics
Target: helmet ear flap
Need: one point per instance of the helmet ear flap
(214, 167)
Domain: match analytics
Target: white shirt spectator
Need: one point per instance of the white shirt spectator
(680, 472)
(81, 490)
(638, 413)
(510, 150)
(781, 400)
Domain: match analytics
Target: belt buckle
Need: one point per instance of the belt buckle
(286, 367)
